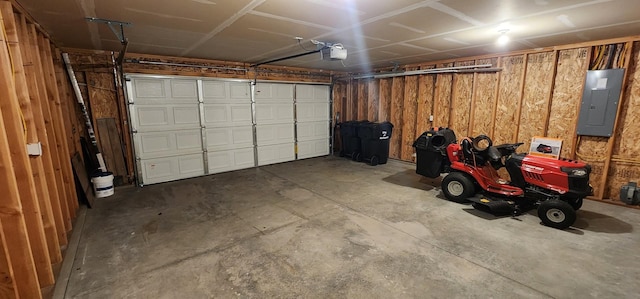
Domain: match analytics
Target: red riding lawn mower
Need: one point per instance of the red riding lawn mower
(556, 187)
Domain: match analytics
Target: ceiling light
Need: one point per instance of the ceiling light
(503, 39)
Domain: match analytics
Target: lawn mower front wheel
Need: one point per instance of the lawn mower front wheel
(556, 213)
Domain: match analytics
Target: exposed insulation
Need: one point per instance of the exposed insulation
(426, 85)
(373, 98)
(620, 173)
(535, 100)
(442, 99)
(567, 93)
(397, 99)
(508, 99)
(362, 99)
(461, 100)
(384, 104)
(484, 98)
(409, 110)
(628, 135)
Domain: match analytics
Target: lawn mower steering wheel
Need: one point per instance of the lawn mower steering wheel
(481, 143)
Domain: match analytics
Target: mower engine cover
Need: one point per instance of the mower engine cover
(431, 151)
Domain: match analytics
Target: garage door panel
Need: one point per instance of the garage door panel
(184, 90)
(313, 130)
(169, 143)
(229, 138)
(312, 111)
(274, 113)
(156, 118)
(221, 161)
(270, 92)
(270, 154)
(171, 168)
(226, 92)
(312, 93)
(275, 134)
(227, 114)
(149, 89)
(313, 148)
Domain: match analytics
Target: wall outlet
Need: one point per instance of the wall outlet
(34, 149)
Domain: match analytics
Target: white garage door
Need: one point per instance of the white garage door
(312, 119)
(228, 125)
(275, 127)
(166, 126)
(185, 127)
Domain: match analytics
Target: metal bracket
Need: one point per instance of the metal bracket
(113, 25)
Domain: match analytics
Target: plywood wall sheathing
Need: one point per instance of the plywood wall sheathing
(426, 87)
(442, 99)
(397, 100)
(16, 115)
(373, 99)
(36, 96)
(506, 120)
(12, 215)
(363, 88)
(384, 104)
(484, 100)
(567, 94)
(461, 95)
(409, 111)
(535, 100)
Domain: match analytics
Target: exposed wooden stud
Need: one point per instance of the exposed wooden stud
(13, 112)
(54, 147)
(11, 213)
(37, 110)
(7, 282)
(61, 133)
(612, 139)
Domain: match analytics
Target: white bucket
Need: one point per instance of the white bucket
(103, 184)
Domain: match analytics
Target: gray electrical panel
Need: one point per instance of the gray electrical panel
(600, 102)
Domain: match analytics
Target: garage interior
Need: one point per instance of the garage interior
(220, 123)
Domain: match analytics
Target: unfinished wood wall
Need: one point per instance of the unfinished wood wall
(38, 201)
(536, 93)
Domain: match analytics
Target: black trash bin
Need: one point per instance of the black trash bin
(374, 138)
(431, 151)
(351, 145)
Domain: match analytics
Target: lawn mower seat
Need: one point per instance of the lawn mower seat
(467, 151)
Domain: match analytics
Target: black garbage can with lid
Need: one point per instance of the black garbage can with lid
(374, 138)
(351, 145)
(431, 150)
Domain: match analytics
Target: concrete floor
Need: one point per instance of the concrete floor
(333, 228)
